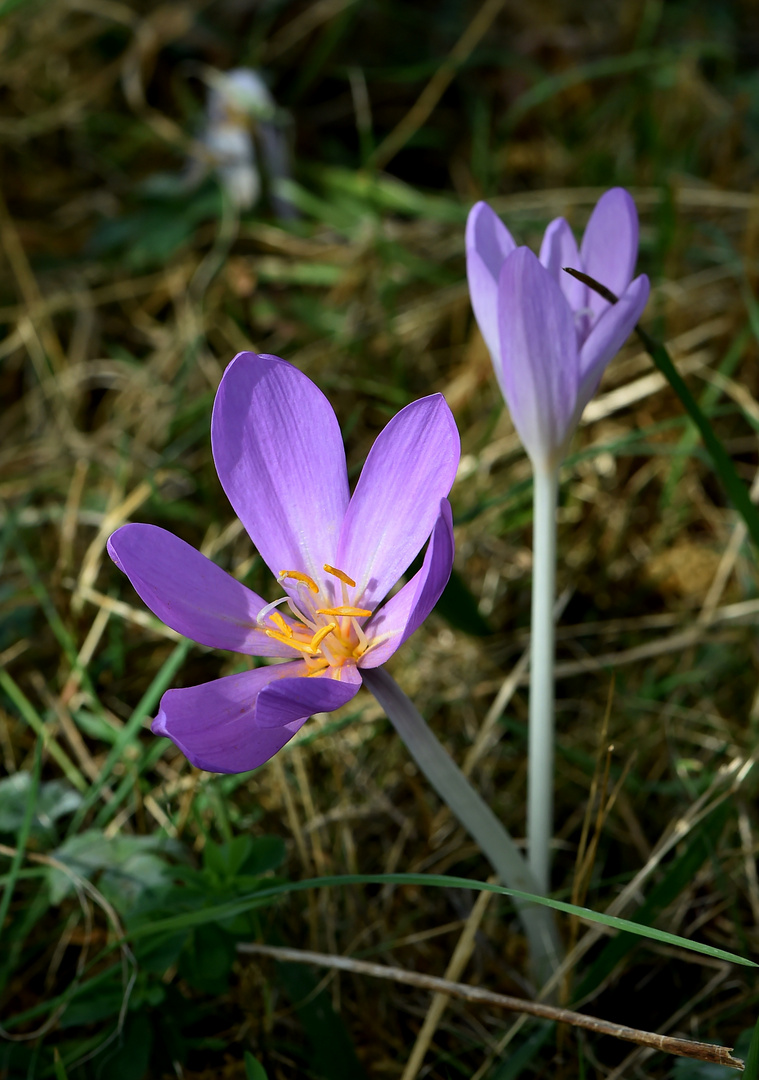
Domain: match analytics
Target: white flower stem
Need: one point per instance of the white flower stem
(541, 726)
(474, 814)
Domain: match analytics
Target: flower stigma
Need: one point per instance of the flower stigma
(327, 635)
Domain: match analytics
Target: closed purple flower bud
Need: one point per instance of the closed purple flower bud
(550, 336)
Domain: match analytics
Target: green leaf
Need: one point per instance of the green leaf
(243, 856)
(332, 1054)
(254, 1070)
(129, 1055)
(268, 852)
(131, 863)
(207, 959)
(56, 799)
(751, 1071)
(95, 1003)
(519, 1057)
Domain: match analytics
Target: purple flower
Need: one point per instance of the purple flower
(550, 336)
(279, 455)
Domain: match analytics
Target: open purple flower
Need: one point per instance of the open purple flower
(279, 455)
(550, 336)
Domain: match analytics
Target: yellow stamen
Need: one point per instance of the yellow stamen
(298, 576)
(354, 612)
(320, 635)
(279, 621)
(302, 646)
(321, 666)
(340, 574)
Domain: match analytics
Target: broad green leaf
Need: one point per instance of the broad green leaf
(131, 864)
(56, 798)
(332, 1055)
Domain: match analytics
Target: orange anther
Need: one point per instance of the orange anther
(320, 635)
(340, 574)
(298, 576)
(301, 646)
(354, 612)
(279, 621)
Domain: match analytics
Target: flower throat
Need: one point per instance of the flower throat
(325, 635)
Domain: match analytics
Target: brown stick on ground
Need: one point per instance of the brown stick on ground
(719, 1055)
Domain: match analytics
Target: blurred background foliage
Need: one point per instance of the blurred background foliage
(128, 280)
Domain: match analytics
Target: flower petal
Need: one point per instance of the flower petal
(280, 701)
(410, 468)
(279, 455)
(610, 245)
(559, 249)
(190, 593)
(405, 612)
(217, 725)
(214, 724)
(488, 242)
(609, 334)
(539, 373)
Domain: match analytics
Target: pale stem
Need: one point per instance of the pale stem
(474, 814)
(541, 725)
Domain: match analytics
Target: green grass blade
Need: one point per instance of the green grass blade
(709, 399)
(56, 623)
(37, 724)
(262, 896)
(60, 1068)
(677, 876)
(723, 463)
(608, 67)
(23, 835)
(131, 729)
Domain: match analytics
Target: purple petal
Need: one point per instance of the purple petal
(610, 245)
(488, 242)
(609, 335)
(410, 468)
(539, 374)
(559, 249)
(405, 612)
(238, 722)
(324, 693)
(189, 593)
(279, 455)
